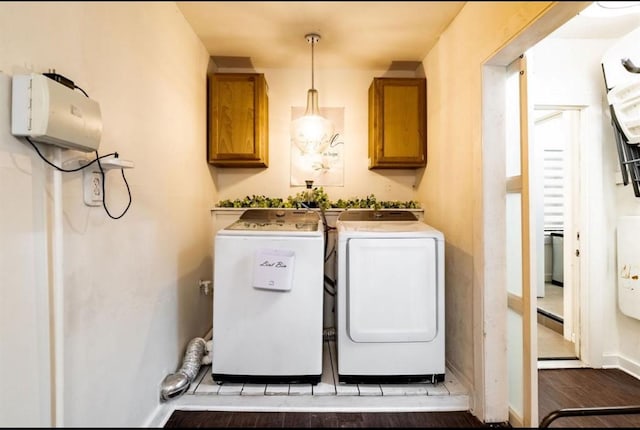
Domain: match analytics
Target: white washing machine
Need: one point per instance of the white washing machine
(267, 302)
(390, 298)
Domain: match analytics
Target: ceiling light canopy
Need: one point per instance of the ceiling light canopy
(312, 132)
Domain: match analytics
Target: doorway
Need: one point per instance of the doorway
(573, 75)
(556, 164)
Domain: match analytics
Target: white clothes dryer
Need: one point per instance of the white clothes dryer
(390, 298)
(267, 301)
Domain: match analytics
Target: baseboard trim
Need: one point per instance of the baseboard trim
(621, 362)
(560, 364)
(160, 416)
(550, 315)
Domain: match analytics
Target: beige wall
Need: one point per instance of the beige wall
(130, 295)
(346, 89)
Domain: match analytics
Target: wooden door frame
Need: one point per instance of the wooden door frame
(494, 198)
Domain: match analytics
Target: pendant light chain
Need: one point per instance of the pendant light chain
(312, 39)
(313, 42)
(312, 132)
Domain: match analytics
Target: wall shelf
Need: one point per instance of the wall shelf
(115, 163)
(107, 163)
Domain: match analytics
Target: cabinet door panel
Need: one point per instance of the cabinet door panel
(397, 123)
(238, 120)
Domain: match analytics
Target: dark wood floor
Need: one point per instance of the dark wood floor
(557, 389)
(202, 419)
(593, 388)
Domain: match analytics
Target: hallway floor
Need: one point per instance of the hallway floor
(553, 301)
(588, 388)
(553, 345)
(551, 342)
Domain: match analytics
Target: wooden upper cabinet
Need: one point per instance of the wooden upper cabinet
(238, 120)
(397, 123)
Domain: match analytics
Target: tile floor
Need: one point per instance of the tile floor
(327, 395)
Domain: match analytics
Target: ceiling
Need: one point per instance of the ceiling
(588, 26)
(354, 34)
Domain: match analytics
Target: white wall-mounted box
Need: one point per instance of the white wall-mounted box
(48, 112)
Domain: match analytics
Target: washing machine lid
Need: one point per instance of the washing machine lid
(390, 223)
(392, 289)
(348, 229)
(273, 214)
(377, 215)
(284, 220)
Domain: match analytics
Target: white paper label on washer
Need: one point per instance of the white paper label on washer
(273, 269)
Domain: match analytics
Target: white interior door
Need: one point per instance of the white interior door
(520, 258)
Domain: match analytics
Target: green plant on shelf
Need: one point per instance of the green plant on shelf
(316, 198)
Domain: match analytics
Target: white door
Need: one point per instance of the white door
(520, 278)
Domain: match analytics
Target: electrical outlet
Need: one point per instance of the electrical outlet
(92, 188)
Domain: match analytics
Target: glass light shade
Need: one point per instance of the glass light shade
(312, 133)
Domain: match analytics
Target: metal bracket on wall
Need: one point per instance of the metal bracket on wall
(628, 156)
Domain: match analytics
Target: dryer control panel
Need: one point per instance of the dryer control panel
(377, 215)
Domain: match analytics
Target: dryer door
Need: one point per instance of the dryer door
(392, 289)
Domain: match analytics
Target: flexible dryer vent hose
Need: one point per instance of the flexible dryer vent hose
(178, 383)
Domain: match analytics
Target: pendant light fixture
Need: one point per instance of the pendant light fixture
(312, 132)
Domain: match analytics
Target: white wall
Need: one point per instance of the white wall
(625, 347)
(131, 301)
(568, 72)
